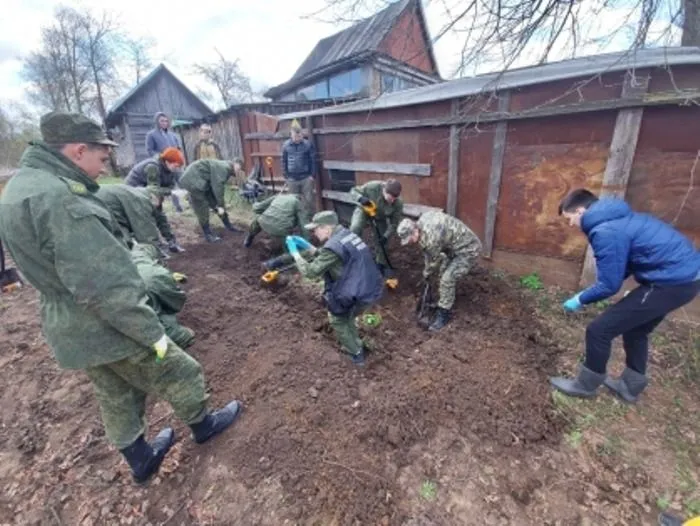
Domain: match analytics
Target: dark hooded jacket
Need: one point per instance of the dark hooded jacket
(158, 140)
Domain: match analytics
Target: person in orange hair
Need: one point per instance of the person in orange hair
(159, 175)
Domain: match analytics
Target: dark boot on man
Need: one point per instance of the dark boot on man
(585, 385)
(227, 224)
(174, 247)
(210, 236)
(145, 459)
(628, 386)
(442, 317)
(216, 422)
(358, 359)
(248, 241)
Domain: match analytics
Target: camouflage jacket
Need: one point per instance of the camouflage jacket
(281, 214)
(207, 149)
(320, 263)
(444, 237)
(164, 294)
(391, 213)
(207, 175)
(62, 237)
(133, 210)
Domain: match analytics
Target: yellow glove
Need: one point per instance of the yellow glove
(161, 348)
(179, 277)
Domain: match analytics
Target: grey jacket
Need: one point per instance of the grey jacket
(158, 140)
(298, 160)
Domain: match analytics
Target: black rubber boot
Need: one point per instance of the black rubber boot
(210, 236)
(248, 240)
(628, 386)
(174, 247)
(585, 385)
(227, 224)
(441, 319)
(358, 359)
(666, 519)
(216, 422)
(145, 459)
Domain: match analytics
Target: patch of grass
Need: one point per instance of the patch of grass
(574, 438)
(428, 490)
(532, 281)
(663, 502)
(692, 507)
(611, 447)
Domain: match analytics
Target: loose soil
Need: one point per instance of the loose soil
(457, 427)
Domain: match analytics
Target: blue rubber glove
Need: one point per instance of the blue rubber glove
(572, 304)
(301, 243)
(291, 245)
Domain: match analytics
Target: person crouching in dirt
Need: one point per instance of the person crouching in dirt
(205, 181)
(94, 308)
(448, 246)
(380, 202)
(664, 263)
(137, 214)
(353, 281)
(278, 216)
(158, 174)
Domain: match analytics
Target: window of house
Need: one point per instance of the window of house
(313, 92)
(347, 83)
(392, 83)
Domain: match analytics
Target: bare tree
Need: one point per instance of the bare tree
(17, 128)
(231, 83)
(138, 56)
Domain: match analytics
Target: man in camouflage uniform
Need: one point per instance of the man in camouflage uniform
(278, 216)
(137, 214)
(205, 180)
(448, 245)
(206, 147)
(93, 302)
(352, 280)
(380, 203)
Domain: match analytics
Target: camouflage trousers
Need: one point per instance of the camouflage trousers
(121, 389)
(346, 331)
(357, 225)
(306, 188)
(202, 203)
(450, 273)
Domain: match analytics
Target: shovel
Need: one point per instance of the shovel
(272, 275)
(391, 280)
(425, 305)
(9, 277)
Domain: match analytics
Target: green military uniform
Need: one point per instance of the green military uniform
(139, 219)
(205, 180)
(165, 296)
(387, 219)
(450, 246)
(94, 307)
(279, 215)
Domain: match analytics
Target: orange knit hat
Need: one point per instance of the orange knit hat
(172, 155)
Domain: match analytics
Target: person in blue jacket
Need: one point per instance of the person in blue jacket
(626, 243)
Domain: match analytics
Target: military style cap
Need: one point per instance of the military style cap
(393, 187)
(405, 229)
(65, 128)
(327, 217)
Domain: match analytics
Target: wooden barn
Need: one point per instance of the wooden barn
(500, 150)
(132, 116)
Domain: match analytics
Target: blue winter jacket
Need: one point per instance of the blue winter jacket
(629, 243)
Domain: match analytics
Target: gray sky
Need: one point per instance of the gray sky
(270, 37)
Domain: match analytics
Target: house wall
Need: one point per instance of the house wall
(406, 42)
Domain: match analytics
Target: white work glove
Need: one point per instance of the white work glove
(220, 211)
(161, 347)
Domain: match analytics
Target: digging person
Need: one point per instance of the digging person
(626, 243)
(94, 310)
(278, 216)
(450, 247)
(205, 180)
(158, 174)
(381, 203)
(352, 280)
(137, 214)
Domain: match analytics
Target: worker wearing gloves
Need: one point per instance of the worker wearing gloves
(165, 296)
(137, 214)
(380, 202)
(94, 308)
(205, 180)
(626, 243)
(449, 246)
(278, 216)
(352, 280)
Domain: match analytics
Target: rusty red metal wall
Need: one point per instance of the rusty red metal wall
(406, 42)
(433, 110)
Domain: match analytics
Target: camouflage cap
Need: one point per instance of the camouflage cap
(66, 128)
(405, 229)
(327, 217)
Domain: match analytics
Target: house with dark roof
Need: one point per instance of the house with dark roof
(387, 52)
(132, 116)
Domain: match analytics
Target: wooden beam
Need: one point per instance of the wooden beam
(622, 149)
(683, 97)
(411, 210)
(453, 163)
(387, 168)
(318, 180)
(497, 155)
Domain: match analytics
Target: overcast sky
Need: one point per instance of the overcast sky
(270, 37)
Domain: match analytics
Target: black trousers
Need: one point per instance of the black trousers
(634, 317)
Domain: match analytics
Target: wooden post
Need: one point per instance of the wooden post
(620, 158)
(453, 166)
(318, 176)
(498, 152)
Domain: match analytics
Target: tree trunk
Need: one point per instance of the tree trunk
(691, 23)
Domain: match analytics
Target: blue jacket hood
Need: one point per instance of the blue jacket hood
(603, 210)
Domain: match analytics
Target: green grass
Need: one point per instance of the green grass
(428, 490)
(532, 281)
(663, 502)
